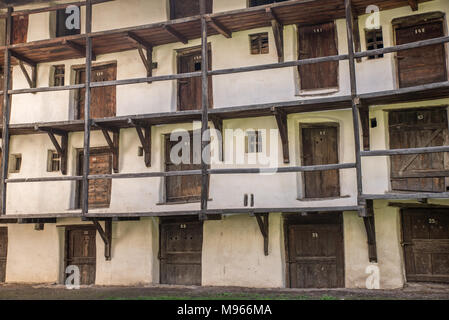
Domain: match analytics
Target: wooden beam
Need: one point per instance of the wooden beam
(281, 120)
(175, 34)
(364, 120)
(61, 149)
(273, 16)
(378, 153)
(371, 232)
(114, 145)
(356, 31)
(413, 4)
(278, 32)
(218, 125)
(106, 236)
(19, 57)
(417, 205)
(262, 221)
(30, 79)
(138, 41)
(221, 29)
(78, 48)
(144, 134)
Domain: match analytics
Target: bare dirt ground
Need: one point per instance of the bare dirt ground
(58, 292)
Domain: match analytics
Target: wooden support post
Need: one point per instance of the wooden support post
(281, 119)
(114, 146)
(205, 133)
(218, 125)
(413, 4)
(219, 27)
(106, 236)
(6, 111)
(278, 32)
(144, 134)
(371, 231)
(87, 120)
(364, 120)
(176, 34)
(262, 220)
(355, 99)
(61, 149)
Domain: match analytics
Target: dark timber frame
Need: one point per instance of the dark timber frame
(274, 15)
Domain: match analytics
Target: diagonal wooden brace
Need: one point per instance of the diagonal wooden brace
(278, 32)
(262, 220)
(113, 144)
(144, 134)
(32, 80)
(106, 236)
(281, 119)
(218, 124)
(371, 231)
(61, 149)
(142, 45)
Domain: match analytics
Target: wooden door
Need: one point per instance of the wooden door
(181, 243)
(19, 29)
(416, 128)
(100, 162)
(3, 252)
(182, 188)
(426, 244)
(182, 8)
(190, 90)
(81, 252)
(315, 252)
(103, 99)
(318, 41)
(421, 65)
(320, 146)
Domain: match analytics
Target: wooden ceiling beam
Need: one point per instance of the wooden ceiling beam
(175, 34)
(78, 48)
(19, 57)
(262, 221)
(221, 29)
(273, 16)
(134, 38)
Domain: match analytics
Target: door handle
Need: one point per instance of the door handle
(406, 244)
(400, 57)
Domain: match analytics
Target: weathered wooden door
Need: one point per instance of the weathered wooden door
(421, 65)
(19, 29)
(315, 252)
(182, 188)
(416, 128)
(190, 90)
(99, 190)
(103, 99)
(320, 146)
(318, 41)
(181, 243)
(426, 244)
(3, 252)
(182, 8)
(81, 252)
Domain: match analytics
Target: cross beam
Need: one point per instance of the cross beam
(106, 236)
(61, 149)
(262, 220)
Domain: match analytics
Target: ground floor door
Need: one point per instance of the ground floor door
(3, 253)
(181, 242)
(81, 252)
(425, 235)
(315, 257)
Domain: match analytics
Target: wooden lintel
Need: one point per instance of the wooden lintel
(262, 220)
(364, 120)
(221, 29)
(176, 34)
(19, 57)
(281, 119)
(78, 48)
(370, 231)
(144, 134)
(113, 144)
(106, 236)
(413, 4)
(218, 125)
(61, 148)
(32, 80)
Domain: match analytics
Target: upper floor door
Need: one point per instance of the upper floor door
(314, 42)
(187, 8)
(421, 65)
(19, 29)
(103, 99)
(190, 89)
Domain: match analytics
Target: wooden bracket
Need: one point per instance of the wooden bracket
(61, 149)
(144, 134)
(364, 120)
(114, 145)
(32, 80)
(78, 48)
(175, 34)
(25, 60)
(281, 119)
(106, 236)
(219, 27)
(278, 32)
(356, 36)
(218, 125)
(371, 231)
(413, 4)
(262, 220)
(142, 44)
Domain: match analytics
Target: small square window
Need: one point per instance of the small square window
(259, 43)
(253, 142)
(58, 76)
(53, 161)
(15, 163)
(374, 40)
